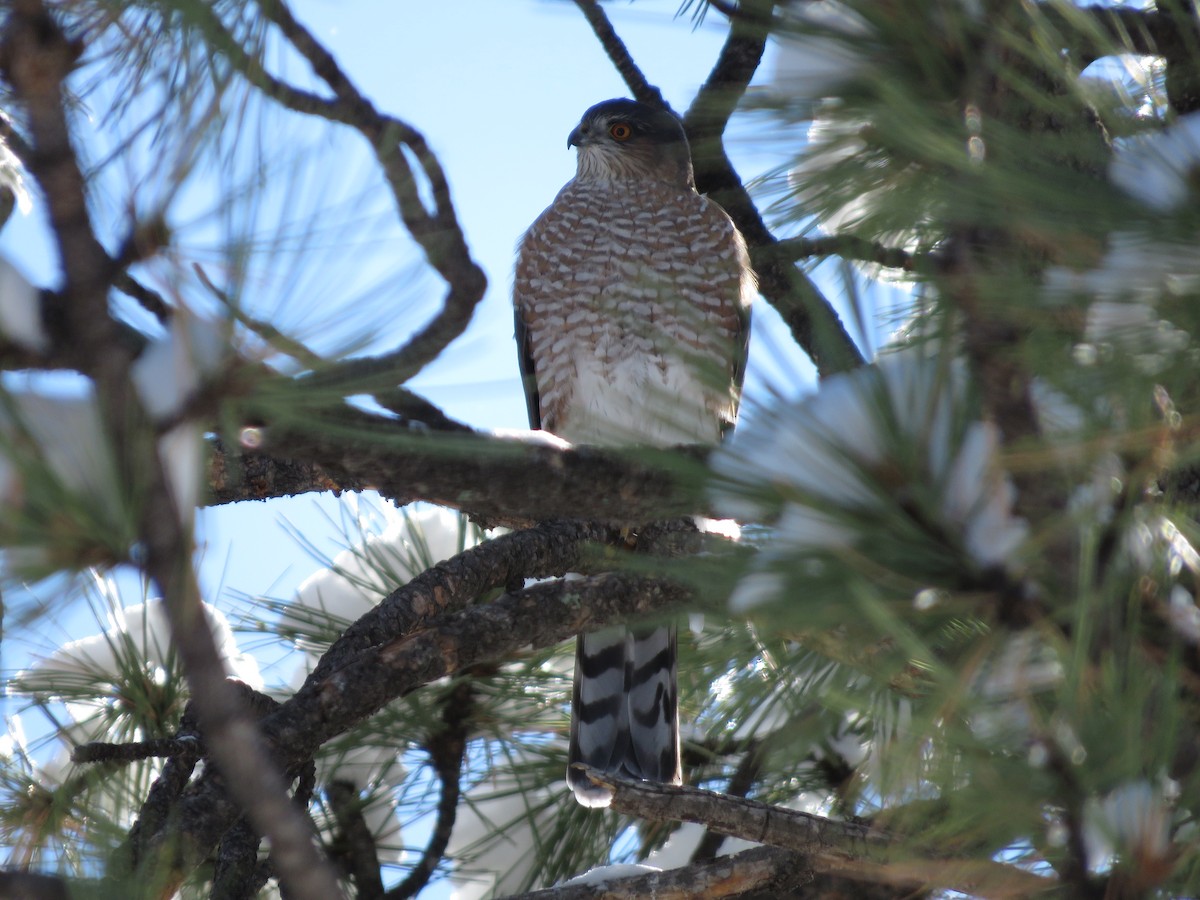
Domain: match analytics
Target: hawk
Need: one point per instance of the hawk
(632, 297)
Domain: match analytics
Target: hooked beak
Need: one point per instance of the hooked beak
(577, 137)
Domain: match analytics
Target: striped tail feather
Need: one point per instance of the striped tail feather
(625, 712)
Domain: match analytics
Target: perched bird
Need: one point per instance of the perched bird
(632, 298)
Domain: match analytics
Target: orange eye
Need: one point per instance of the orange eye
(620, 131)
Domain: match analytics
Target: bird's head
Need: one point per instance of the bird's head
(626, 140)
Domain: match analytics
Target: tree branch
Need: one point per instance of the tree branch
(740, 784)
(447, 749)
(810, 317)
(525, 481)
(643, 91)
(538, 616)
(766, 871)
(37, 58)
(844, 849)
(847, 247)
(545, 550)
(355, 843)
(436, 231)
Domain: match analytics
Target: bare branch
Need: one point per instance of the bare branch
(525, 481)
(151, 301)
(847, 247)
(96, 751)
(642, 90)
(813, 323)
(437, 231)
(737, 816)
(547, 549)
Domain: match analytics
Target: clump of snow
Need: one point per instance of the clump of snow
(1159, 169)
(823, 468)
(20, 309)
(816, 49)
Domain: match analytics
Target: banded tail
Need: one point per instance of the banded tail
(625, 710)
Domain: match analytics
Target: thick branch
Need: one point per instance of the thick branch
(522, 481)
(539, 552)
(539, 616)
(739, 817)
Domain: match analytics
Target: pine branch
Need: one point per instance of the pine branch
(238, 874)
(763, 871)
(737, 816)
(436, 231)
(547, 549)
(843, 849)
(539, 616)
(37, 58)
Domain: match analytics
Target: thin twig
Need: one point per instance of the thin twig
(847, 247)
(447, 749)
(160, 748)
(355, 845)
(762, 872)
(150, 300)
(844, 849)
(740, 783)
